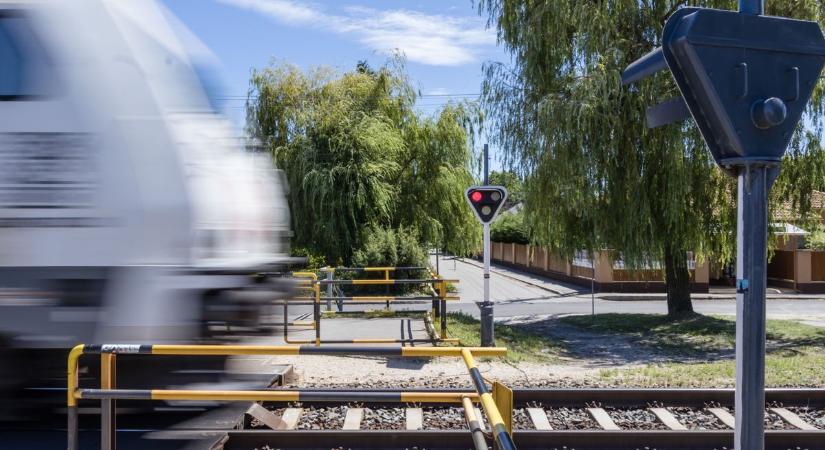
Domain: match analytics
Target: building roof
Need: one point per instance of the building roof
(786, 211)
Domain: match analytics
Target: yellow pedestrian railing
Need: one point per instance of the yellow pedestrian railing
(308, 281)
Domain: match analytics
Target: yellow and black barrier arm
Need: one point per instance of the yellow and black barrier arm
(499, 427)
(274, 395)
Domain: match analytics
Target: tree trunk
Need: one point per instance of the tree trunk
(677, 281)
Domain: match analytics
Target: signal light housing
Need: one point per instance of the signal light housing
(486, 201)
(745, 79)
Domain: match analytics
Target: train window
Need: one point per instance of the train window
(24, 70)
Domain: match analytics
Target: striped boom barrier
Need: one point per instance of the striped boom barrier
(502, 437)
(273, 396)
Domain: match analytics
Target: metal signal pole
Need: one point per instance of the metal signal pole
(754, 184)
(751, 283)
(488, 338)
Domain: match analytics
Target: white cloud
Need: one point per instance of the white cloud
(438, 91)
(431, 39)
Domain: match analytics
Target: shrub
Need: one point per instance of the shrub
(314, 261)
(510, 228)
(390, 248)
(816, 240)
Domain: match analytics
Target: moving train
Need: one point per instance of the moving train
(129, 209)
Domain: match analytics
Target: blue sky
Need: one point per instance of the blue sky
(445, 41)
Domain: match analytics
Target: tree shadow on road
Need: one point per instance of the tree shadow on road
(606, 340)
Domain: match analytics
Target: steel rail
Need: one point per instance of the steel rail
(634, 397)
(526, 439)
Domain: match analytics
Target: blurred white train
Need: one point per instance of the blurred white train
(128, 211)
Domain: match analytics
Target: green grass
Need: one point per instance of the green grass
(521, 345)
(805, 368)
(796, 352)
(696, 334)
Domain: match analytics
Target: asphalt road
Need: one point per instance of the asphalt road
(519, 294)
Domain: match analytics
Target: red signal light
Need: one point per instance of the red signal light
(476, 196)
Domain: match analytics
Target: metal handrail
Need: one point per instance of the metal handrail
(437, 285)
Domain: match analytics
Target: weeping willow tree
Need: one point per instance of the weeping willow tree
(596, 178)
(360, 160)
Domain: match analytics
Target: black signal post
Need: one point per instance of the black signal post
(745, 79)
(486, 202)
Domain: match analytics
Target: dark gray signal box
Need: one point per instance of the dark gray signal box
(744, 78)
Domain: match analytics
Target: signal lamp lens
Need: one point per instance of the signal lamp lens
(476, 196)
(486, 210)
(496, 196)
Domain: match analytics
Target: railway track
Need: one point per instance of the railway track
(583, 419)
(606, 419)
